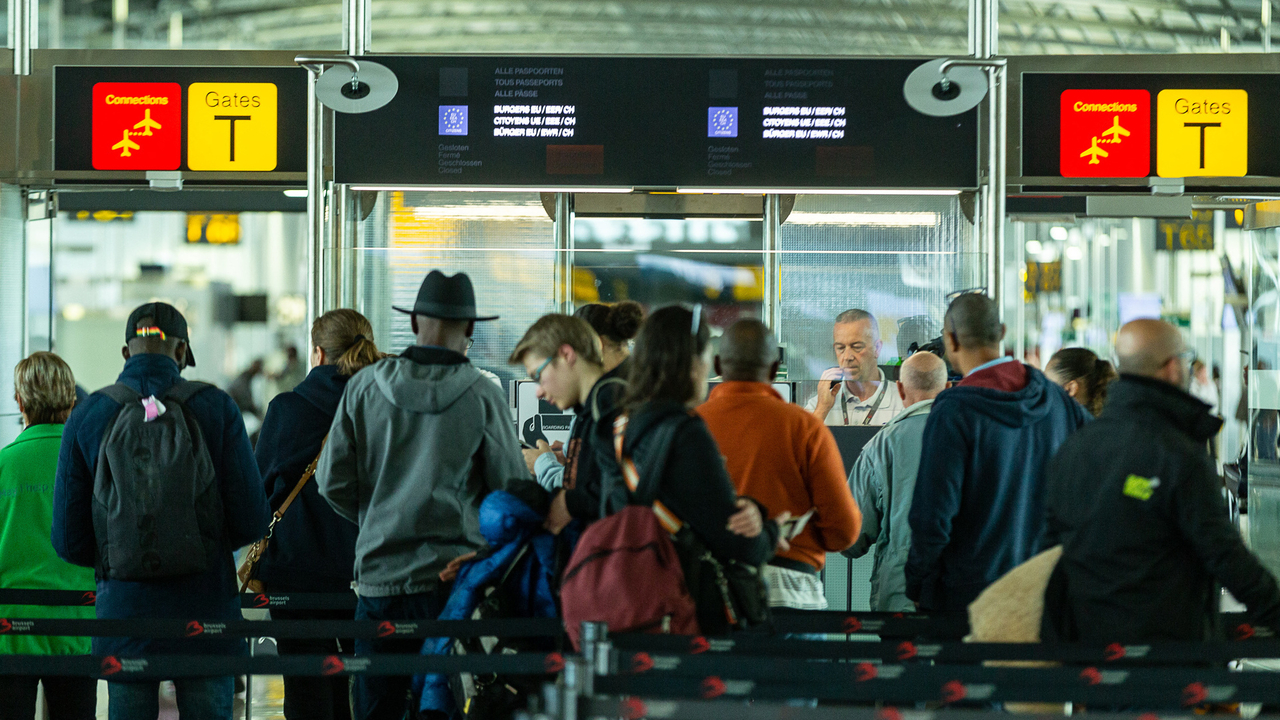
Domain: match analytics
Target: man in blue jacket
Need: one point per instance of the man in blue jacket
(155, 354)
(978, 507)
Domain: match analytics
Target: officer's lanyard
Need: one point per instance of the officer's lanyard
(844, 403)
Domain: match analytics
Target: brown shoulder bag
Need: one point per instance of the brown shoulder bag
(249, 566)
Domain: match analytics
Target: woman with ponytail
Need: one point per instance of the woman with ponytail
(1084, 376)
(312, 549)
(616, 325)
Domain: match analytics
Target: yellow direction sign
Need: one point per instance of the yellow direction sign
(1202, 133)
(231, 126)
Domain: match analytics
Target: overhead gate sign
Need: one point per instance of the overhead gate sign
(197, 119)
(137, 126)
(1106, 133)
(1139, 125)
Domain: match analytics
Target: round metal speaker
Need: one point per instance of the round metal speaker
(350, 92)
(931, 92)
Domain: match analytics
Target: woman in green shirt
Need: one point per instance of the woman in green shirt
(45, 391)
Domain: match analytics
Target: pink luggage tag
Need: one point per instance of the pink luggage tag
(153, 408)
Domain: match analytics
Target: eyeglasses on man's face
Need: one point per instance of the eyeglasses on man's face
(536, 375)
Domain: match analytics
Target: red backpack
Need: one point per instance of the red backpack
(625, 571)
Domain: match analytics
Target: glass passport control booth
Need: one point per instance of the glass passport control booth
(785, 189)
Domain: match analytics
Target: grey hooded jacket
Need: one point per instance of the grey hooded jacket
(883, 481)
(417, 442)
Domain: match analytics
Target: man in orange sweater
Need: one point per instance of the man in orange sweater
(784, 457)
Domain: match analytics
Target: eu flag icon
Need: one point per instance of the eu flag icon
(722, 122)
(453, 119)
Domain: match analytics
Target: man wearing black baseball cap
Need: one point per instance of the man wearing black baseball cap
(214, 468)
(162, 329)
(417, 442)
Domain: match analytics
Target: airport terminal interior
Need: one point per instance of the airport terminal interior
(257, 163)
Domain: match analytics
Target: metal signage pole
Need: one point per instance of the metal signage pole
(984, 31)
(23, 33)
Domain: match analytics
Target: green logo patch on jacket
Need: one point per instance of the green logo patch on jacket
(1140, 488)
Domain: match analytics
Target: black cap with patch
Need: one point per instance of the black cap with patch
(160, 320)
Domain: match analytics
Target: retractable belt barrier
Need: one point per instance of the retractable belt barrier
(170, 666)
(744, 644)
(936, 626)
(864, 682)
(633, 708)
(222, 629)
(289, 601)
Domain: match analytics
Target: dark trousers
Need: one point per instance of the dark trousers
(315, 698)
(68, 698)
(385, 697)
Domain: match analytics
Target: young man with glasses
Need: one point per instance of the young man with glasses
(855, 392)
(1135, 500)
(561, 353)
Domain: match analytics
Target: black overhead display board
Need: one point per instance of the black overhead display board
(247, 120)
(653, 122)
(1136, 125)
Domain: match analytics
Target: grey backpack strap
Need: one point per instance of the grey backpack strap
(184, 390)
(121, 393)
(595, 395)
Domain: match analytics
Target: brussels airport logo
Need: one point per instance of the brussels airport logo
(453, 119)
(1105, 133)
(722, 122)
(136, 126)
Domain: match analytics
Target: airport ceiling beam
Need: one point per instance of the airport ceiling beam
(900, 26)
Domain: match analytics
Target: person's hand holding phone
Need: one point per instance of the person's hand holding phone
(829, 389)
(531, 454)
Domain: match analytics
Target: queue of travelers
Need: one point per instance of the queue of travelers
(387, 474)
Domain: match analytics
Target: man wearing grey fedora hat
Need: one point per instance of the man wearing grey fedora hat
(417, 442)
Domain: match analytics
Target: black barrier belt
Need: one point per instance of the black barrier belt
(1145, 688)
(223, 629)
(634, 708)
(299, 601)
(170, 666)
(937, 625)
(744, 644)
(290, 601)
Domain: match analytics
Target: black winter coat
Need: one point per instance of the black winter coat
(1136, 502)
(313, 549)
(689, 474)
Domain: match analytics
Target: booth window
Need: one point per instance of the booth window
(503, 241)
(898, 258)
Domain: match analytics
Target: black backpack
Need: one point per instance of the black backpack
(157, 512)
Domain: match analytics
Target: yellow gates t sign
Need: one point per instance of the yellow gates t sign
(1202, 133)
(231, 126)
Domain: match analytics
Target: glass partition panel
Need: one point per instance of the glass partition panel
(658, 262)
(899, 258)
(505, 242)
(1262, 384)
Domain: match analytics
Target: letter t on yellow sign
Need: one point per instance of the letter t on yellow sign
(231, 126)
(1202, 133)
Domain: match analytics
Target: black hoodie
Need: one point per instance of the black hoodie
(691, 478)
(313, 549)
(1137, 505)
